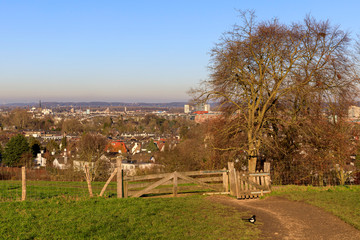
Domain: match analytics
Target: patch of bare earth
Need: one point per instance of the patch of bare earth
(279, 218)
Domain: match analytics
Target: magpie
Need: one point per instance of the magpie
(252, 219)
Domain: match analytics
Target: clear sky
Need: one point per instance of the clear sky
(130, 51)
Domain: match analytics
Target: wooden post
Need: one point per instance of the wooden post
(23, 183)
(237, 183)
(232, 178)
(119, 178)
(225, 181)
(267, 170)
(241, 182)
(246, 187)
(175, 184)
(88, 180)
(107, 182)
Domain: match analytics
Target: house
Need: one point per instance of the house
(203, 117)
(80, 165)
(160, 144)
(35, 134)
(61, 163)
(131, 166)
(116, 146)
(135, 148)
(40, 161)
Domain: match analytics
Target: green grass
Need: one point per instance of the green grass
(36, 190)
(342, 201)
(134, 218)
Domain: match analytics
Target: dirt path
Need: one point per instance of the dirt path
(279, 218)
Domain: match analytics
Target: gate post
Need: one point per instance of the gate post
(225, 180)
(23, 183)
(232, 179)
(267, 170)
(119, 178)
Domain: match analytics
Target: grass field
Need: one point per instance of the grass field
(63, 210)
(37, 190)
(135, 218)
(342, 201)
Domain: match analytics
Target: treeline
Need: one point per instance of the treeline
(20, 119)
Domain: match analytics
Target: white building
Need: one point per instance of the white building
(207, 107)
(46, 111)
(40, 161)
(354, 112)
(186, 108)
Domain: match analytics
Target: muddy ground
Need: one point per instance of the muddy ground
(279, 218)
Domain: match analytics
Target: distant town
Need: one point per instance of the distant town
(134, 131)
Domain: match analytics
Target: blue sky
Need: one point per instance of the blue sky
(131, 51)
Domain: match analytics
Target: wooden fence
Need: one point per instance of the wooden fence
(177, 182)
(249, 185)
(225, 181)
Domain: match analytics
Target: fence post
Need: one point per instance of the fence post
(175, 184)
(267, 170)
(119, 178)
(225, 180)
(88, 179)
(23, 183)
(232, 178)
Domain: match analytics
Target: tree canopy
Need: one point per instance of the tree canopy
(266, 72)
(14, 150)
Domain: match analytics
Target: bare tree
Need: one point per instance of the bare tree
(259, 68)
(90, 148)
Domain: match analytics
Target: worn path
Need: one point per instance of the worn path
(279, 218)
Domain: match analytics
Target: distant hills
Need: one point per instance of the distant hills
(96, 104)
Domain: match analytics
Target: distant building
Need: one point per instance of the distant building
(186, 108)
(201, 107)
(46, 111)
(201, 117)
(34, 134)
(40, 160)
(116, 146)
(207, 107)
(354, 112)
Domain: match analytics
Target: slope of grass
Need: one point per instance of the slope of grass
(168, 218)
(342, 201)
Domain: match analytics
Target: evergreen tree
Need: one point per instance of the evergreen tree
(35, 146)
(152, 147)
(14, 149)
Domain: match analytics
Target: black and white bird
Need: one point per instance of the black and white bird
(252, 219)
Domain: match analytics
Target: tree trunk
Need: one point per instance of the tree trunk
(341, 175)
(253, 153)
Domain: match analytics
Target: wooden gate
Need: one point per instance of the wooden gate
(237, 183)
(167, 183)
(249, 185)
